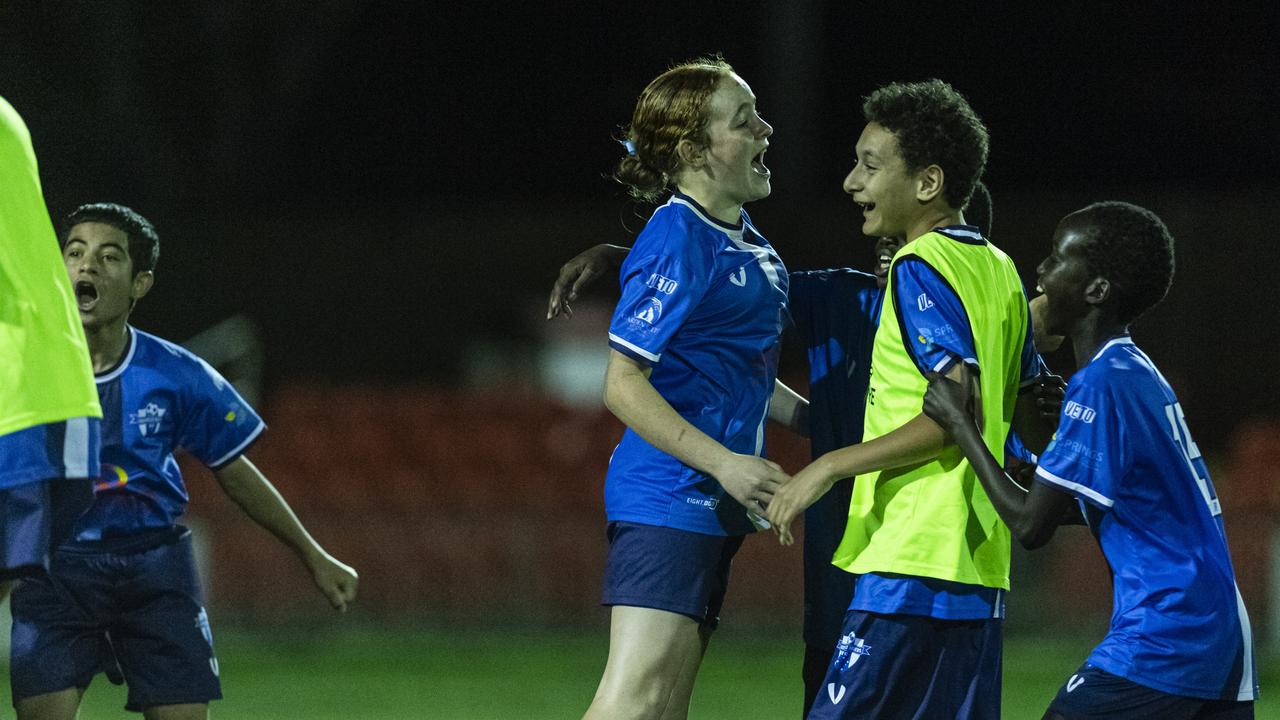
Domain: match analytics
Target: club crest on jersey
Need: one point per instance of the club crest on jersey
(850, 650)
(1076, 411)
(148, 418)
(651, 311)
(664, 285)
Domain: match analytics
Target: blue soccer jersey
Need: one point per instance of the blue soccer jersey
(1123, 449)
(937, 321)
(703, 303)
(835, 313)
(159, 398)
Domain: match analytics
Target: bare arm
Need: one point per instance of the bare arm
(579, 273)
(789, 409)
(630, 396)
(917, 440)
(1032, 515)
(250, 489)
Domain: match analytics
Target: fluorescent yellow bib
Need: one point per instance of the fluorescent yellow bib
(934, 519)
(45, 375)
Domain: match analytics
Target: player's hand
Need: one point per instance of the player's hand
(796, 496)
(1050, 390)
(947, 402)
(580, 272)
(337, 581)
(1022, 473)
(751, 480)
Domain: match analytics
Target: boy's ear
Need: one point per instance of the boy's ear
(142, 283)
(1097, 291)
(929, 183)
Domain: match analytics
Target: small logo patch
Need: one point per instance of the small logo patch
(836, 696)
(740, 278)
(850, 650)
(113, 476)
(651, 311)
(923, 302)
(1075, 682)
(148, 419)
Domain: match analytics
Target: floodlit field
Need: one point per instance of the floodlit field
(531, 675)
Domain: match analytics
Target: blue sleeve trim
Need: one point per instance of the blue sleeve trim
(240, 449)
(634, 352)
(1087, 493)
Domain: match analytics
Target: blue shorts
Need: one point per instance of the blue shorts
(912, 666)
(36, 517)
(668, 569)
(1093, 694)
(132, 601)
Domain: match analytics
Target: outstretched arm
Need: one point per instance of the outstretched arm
(630, 396)
(580, 272)
(1032, 514)
(250, 489)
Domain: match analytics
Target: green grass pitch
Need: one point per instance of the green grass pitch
(468, 674)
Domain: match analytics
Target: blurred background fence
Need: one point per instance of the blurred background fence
(466, 507)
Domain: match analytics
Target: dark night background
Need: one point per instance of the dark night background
(382, 187)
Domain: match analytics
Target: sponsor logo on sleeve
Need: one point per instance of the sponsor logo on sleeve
(664, 285)
(1076, 411)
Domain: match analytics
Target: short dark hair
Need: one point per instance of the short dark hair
(934, 125)
(1130, 247)
(978, 211)
(144, 243)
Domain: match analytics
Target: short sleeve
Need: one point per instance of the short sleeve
(935, 326)
(217, 424)
(1088, 454)
(661, 287)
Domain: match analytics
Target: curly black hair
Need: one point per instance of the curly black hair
(978, 211)
(1130, 247)
(144, 243)
(934, 125)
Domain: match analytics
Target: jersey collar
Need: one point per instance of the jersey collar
(1122, 339)
(734, 231)
(967, 234)
(125, 358)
